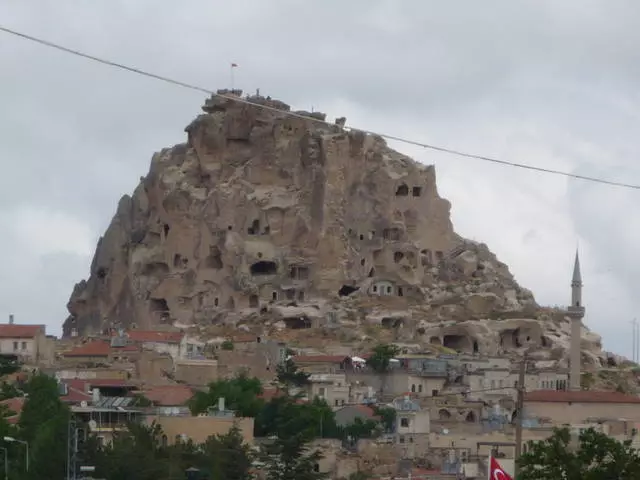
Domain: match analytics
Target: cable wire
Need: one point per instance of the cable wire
(234, 98)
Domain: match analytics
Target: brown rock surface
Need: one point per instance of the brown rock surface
(270, 222)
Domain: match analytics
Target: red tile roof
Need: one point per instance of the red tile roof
(169, 395)
(561, 396)
(319, 358)
(11, 330)
(98, 348)
(15, 406)
(77, 391)
(155, 336)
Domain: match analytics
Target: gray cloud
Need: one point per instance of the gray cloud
(542, 82)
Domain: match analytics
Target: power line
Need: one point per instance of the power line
(449, 151)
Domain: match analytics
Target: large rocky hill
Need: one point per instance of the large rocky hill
(286, 225)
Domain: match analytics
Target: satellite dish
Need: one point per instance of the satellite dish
(83, 404)
(93, 424)
(445, 431)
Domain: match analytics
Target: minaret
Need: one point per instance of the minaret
(576, 313)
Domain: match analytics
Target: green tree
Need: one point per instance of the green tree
(290, 458)
(380, 359)
(287, 415)
(387, 417)
(290, 376)
(240, 394)
(227, 345)
(360, 428)
(595, 456)
(44, 425)
(137, 454)
(227, 457)
(8, 390)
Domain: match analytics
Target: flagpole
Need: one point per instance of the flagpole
(231, 75)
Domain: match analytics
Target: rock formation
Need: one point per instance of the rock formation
(280, 222)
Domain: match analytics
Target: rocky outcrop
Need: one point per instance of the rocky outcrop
(280, 222)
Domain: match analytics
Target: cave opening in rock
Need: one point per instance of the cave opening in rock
(254, 229)
(101, 273)
(390, 322)
(158, 305)
(253, 301)
(274, 296)
(545, 341)
(417, 191)
(297, 323)
(214, 259)
(459, 343)
(166, 229)
(155, 269)
(347, 290)
(301, 296)
(444, 415)
(435, 341)
(264, 267)
(372, 272)
(216, 302)
(475, 346)
(362, 261)
(402, 191)
(398, 256)
(400, 292)
(231, 303)
(470, 418)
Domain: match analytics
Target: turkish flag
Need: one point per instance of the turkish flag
(496, 472)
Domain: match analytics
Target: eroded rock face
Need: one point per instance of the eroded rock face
(286, 223)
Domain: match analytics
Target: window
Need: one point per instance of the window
(321, 391)
(420, 388)
(404, 422)
(15, 346)
(413, 388)
(401, 439)
(24, 345)
(410, 439)
(316, 467)
(416, 191)
(337, 402)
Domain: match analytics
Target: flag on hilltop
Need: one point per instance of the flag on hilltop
(496, 472)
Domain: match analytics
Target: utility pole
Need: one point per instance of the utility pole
(519, 413)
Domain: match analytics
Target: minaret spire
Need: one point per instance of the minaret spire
(576, 313)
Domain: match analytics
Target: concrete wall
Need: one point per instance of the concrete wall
(198, 373)
(199, 429)
(397, 383)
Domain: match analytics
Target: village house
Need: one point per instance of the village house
(322, 363)
(29, 343)
(218, 421)
(412, 427)
(348, 414)
(577, 407)
(100, 352)
(169, 399)
(331, 387)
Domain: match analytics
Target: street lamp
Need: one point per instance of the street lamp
(6, 463)
(26, 444)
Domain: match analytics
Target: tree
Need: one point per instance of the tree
(240, 394)
(286, 415)
(137, 454)
(227, 457)
(387, 417)
(360, 428)
(290, 376)
(597, 457)
(44, 425)
(380, 359)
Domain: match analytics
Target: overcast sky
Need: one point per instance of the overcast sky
(551, 83)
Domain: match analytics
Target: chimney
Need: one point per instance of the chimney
(95, 396)
(221, 404)
(11, 319)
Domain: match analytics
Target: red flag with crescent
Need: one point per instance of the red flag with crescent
(497, 473)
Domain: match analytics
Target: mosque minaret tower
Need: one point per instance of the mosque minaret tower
(576, 314)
